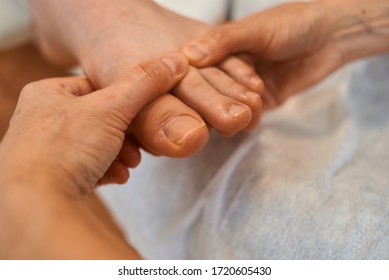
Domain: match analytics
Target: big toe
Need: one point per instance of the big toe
(170, 128)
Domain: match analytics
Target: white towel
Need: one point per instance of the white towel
(211, 12)
(15, 23)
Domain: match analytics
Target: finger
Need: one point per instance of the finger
(76, 86)
(129, 153)
(117, 173)
(143, 84)
(219, 43)
(132, 135)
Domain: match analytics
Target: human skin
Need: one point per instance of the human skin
(296, 45)
(108, 38)
(63, 140)
(18, 67)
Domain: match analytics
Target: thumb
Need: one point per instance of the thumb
(143, 84)
(219, 43)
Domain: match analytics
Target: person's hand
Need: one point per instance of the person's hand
(60, 126)
(295, 45)
(110, 38)
(63, 140)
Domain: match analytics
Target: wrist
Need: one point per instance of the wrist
(24, 215)
(20, 170)
(45, 224)
(360, 28)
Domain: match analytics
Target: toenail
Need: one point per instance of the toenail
(253, 96)
(181, 127)
(196, 52)
(235, 110)
(255, 82)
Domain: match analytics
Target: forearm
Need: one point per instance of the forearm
(42, 213)
(43, 216)
(40, 223)
(360, 27)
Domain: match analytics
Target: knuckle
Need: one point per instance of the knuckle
(36, 87)
(30, 88)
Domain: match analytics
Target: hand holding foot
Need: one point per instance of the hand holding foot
(296, 45)
(63, 140)
(110, 39)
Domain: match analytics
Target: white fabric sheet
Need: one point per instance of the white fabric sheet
(211, 12)
(311, 183)
(15, 23)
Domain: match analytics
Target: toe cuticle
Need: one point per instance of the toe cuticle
(235, 110)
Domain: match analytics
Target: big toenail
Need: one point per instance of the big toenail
(235, 110)
(181, 127)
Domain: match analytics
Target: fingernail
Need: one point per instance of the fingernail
(176, 62)
(235, 110)
(196, 52)
(253, 96)
(181, 127)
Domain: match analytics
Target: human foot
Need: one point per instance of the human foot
(112, 39)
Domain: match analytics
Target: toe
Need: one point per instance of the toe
(224, 113)
(243, 72)
(229, 87)
(168, 127)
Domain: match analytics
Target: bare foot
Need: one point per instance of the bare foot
(111, 39)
